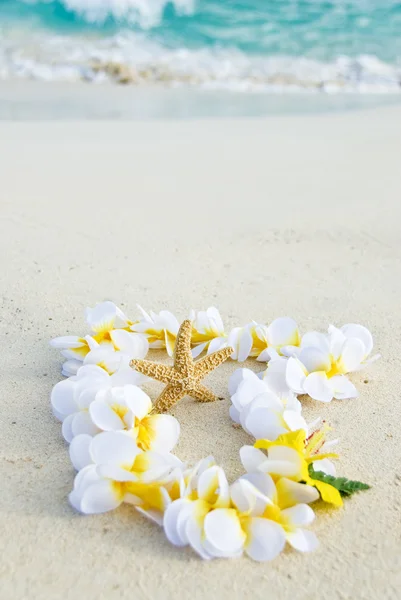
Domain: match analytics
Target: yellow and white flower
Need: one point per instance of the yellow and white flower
(289, 456)
(125, 347)
(207, 331)
(160, 329)
(320, 366)
(71, 398)
(109, 331)
(269, 515)
(263, 342)
(114, 470)
(184, 521)
(129, 408)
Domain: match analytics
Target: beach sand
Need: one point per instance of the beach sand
(288, 215)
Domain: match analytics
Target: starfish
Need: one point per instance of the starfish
(184, 377)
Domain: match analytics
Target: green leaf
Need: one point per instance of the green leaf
(345, 486)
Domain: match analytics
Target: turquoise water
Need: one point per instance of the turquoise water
(293, 45)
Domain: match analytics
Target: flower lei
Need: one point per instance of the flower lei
(122, 450)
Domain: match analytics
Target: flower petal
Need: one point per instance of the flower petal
(315, 360)
(251, 458)
(247, 391)
(104, 417)
(264, 483)
(318, 387)
(352, 354)
(222, 530)
(163, 431)
(70, 367)
(265, 539)
(298, 515)
(291, 493)
(263, 423)
(352, 330)
(66, 428)
(282, 461)
(194, 536)
(325, 466)
(170, 522)
(295, 375)
(82, 423)
(137, 401)
(241, 340)
(317, 340)
(303, 540)
(63, 398)
(197, 351)
(342, 388)
(114, 448)
(247, 498)
(79, 451)
(134, 344)
(115, 473)
(294, 421)
(213, 487)
(283, 332)
(217, 344)
(101, 497)
(237, 377)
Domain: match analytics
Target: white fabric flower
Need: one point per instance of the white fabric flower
(270, 514)
(109, 331)
(207, 331)
(105, 317)
(160, 329)
(71, 398)
(186, 519)
(260, 411)
(125, 347)
(320, 366)
(128, 408)
(113, 469)
(263, 341)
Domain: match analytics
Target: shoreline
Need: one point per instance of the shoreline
(22, 100)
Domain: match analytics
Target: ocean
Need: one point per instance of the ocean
(295, 46)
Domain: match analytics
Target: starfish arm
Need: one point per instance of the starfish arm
(171, 394)
(183, 361)
(156, 371)
(203, 394)
(210, 362)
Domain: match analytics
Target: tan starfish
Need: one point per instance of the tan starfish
(184, 377)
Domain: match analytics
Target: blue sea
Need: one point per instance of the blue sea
(332, 46)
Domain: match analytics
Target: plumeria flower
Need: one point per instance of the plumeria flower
(320, 366)
(129, 408)
(240, 338)
(281, 332)
(260, 411)
(74, 349)
(352, 333)
(113, 357)
(109, 328)
(114, 470)
(207, 331)
(104, 318)
(72, 397)
(289, 456)
(185, 520)
(261, 341)
(160, 329)
(268, 515)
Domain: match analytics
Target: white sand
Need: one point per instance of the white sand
(287, 216)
